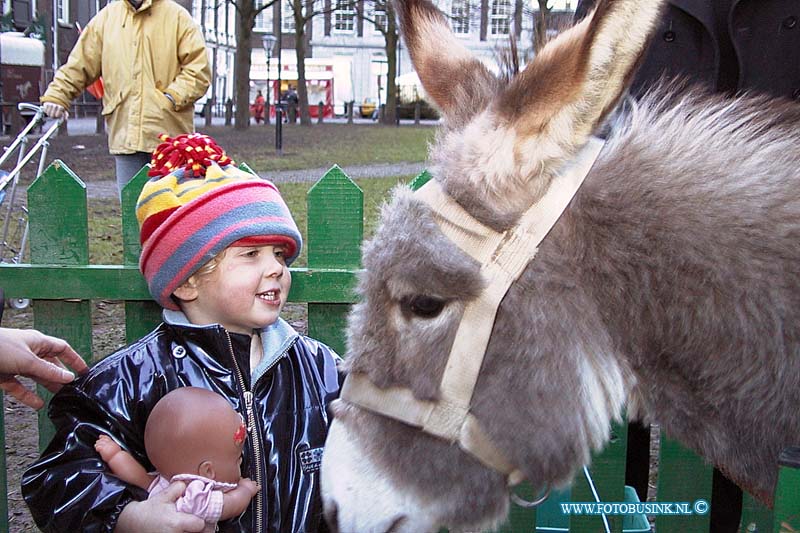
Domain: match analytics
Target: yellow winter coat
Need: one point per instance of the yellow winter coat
(141, 54)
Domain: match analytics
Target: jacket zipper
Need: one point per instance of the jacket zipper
(253, 430)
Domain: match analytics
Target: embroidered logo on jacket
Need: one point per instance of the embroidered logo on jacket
(310, 460)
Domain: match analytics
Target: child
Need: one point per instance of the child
(192, 435)
(216, 245)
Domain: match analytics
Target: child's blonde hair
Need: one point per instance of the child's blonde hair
(209, 268)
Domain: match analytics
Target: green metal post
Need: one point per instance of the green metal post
(140, 316)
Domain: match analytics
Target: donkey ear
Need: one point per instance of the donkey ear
(579, 77)
(457, 82)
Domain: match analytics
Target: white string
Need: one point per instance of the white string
(596, 497)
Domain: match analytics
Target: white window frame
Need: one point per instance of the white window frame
(197, 6)
(63, 11)
(379, 16)
(231, 24)
(346, 18)
(459, 16)
(209, 15)
(287, 17)
(263, 22)
(500, 13)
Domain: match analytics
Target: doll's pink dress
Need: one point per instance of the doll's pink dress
(202, 497)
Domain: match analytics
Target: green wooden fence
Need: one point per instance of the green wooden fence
(62, 284)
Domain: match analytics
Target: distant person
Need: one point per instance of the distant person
(154, 65)
(291, 95)
(292, 101)
(29, 353)
(728, 45)
(258, 107)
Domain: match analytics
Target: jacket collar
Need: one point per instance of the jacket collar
(276, 339)
(146, 4)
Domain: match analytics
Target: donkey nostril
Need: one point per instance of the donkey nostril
(332, 518)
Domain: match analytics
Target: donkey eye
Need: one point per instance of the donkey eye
(422, 306)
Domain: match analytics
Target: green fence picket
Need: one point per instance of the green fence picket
(335, 231)
(755, 515)
(787, 493)
(59, 234)
(140, 316)
(421, 179)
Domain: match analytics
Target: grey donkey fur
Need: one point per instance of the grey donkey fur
(669, 287)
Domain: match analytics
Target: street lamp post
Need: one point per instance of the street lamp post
(279, 105)
(268, 42)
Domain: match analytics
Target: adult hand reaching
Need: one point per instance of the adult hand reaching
(39, 357)
(54, 110)
(158, 514)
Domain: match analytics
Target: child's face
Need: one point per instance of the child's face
(246, 291)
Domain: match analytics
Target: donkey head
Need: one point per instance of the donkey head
(545, 370)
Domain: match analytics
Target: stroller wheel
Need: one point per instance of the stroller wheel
(18, 303)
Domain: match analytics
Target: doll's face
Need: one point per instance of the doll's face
(228, 467)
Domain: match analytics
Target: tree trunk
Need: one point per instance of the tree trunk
(213, 97)
(300, 51)
(391, 37)
(245, 20)
(540, 33)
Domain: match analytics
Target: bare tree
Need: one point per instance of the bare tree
(540, 25)
(303, 11)
(246, 13)
(381, 14)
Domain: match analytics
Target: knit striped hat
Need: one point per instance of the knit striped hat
(194, 208)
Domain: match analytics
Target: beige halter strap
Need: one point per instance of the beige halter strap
(503, 257)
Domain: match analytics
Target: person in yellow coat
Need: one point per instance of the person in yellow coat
(153, 60)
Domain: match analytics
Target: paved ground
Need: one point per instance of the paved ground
(357, 171)
(87, 126)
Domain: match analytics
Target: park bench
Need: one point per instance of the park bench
(62, 283)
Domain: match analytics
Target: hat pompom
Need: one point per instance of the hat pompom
(193, 152)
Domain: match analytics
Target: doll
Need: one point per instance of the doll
(192, 435)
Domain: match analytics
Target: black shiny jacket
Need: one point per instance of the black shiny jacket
(69, 488)
(727, 45)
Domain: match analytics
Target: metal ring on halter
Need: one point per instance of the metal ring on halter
(525, 503)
